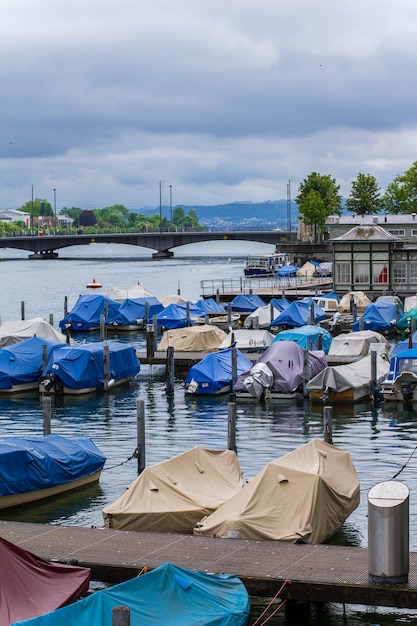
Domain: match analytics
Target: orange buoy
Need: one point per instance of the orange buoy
(94, 284)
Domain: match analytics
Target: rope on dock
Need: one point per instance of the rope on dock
(405, 464)
(257, 622)
(134, 455)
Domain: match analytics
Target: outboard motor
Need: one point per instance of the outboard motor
(407, 391)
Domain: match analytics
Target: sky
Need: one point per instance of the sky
(192, 102)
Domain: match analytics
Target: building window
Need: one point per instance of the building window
(398, 232)
(414, 232)
(343, 275)
(380, 273)
(361, 273)
(413, 272)
(399, 273)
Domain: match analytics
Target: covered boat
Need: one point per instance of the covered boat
(120, 294)
(308, 270)
(134, 313)
(358, 298)
(21, 364)
(358, 344)
(305, 495)
(246, 303)
(265, 264)
(248, 340)
(213, 374)
(279, 373)
(300, 313)
(18, 330)
(204, 338)
(31, 586)
(178, 315)
(379, 316)
(400, 384)
(349, 382)
(38, 468)
(89, 367)
(209, 306)
(172, 496)
(264, 315)
(167, 595)
(309, 337)
(87, 311)
(407, 323)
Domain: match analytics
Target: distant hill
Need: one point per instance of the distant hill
(245, 215)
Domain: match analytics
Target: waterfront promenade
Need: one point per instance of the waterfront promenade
(314, 573)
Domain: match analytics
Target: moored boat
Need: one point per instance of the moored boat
(400, 384)
(87, 311)
(39, 468)
(213, 374)
(166, 595)
(265, 264)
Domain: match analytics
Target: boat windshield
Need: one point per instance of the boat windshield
(407, 365)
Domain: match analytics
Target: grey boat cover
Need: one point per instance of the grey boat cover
(305, 495)
(349, 376)
(359, 343)
(204, 338)
(246, 339)
(174, 495)
(13, 331)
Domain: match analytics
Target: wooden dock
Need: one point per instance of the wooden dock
(314, 573)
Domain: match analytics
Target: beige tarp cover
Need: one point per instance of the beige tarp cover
(307, 270)
(349, 376)
(120, 294)
(174, 495)
(14, 331)
(246, 339)
(360, 299)
(167, 300)
(204, 338)
(306, 494)
(359, 343)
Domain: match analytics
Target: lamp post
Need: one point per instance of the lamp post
(170, 207)
(55, 208)
(32, 214)
(160, 206)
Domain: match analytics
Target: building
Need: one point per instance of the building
(403, 226)
(11, 215)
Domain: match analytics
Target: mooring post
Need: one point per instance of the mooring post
(46, 413)
(231, 426)
(146, 320)
(22, 310)
(187, 313)
(120, 616)
(328, 424)
(141, 435)
(234, 367)
(65, 306)
(374, 373)
(102, 327)
(311, 321)
(306, 372)
(44, 356)
(169, 387)
(229, 314)
(51, 319)
(106, 368)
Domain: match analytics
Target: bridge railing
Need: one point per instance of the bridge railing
(266, 283)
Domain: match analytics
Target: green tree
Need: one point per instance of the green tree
(318, 197)
(178, 215)
(40, 208)
(73, 212)
(365, 197)
(401, 195)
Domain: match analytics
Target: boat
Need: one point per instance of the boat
(213, 374)
(359, 299)
(21, 364)
(299, 313)
(265, 264)
(246, 303)
(354, 345)
(120, 294)
(349, 382)
(329, 305)
(309, 337)
(14, 331)
(38, 468)
(303, 497)
(134, 314)
(178, 315)
(32, 586)
(264, 315)
(172, 496)
(379, 316)
(227, 322)
(248, 340)
(204, 338)
(94, 284)
(280, 373)
(87, 313)
(408, 322)
(400, 384)
(89, 367)
(168, 595)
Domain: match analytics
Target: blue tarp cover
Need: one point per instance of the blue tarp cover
(86, 312)
(166, 595)
(243, 303)
(307, 337)
(378, 316)
(298, 314)
(209, 306)
(280, 303)
(175, 315)
(214, 372)
(23, 361)
(133, 309)
(287, 270)
(82, 366)
(38, 463)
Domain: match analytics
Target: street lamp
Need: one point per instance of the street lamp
(160, 206)
(32, 213)
(170, 207)
(55, 208)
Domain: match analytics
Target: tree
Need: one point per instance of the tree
(87, 218)
(74, 213)
(38, 208)
(178, 215)
(365, 197)
(318, 197)
(401, 195)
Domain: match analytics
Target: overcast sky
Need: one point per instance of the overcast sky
(223, 100)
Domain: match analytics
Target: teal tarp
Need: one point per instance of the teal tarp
(167, 595)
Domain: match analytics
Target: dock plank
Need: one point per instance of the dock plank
(319, 573)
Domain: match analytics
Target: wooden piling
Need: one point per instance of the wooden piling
(140, 412)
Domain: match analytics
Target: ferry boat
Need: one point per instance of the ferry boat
(265, 264)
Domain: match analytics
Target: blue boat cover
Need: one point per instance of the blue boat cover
(82, 365)
(280, 303)
(308, 337)
(39, 463)
(175, 315)
(87, 311)
(287, 270)
(214, 372)
(378, 316)
(298, 313)
(23, 361)
(247, 303)
(133, 309)
(166, 595)
(209, 306)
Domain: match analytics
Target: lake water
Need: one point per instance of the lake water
(381, 440)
